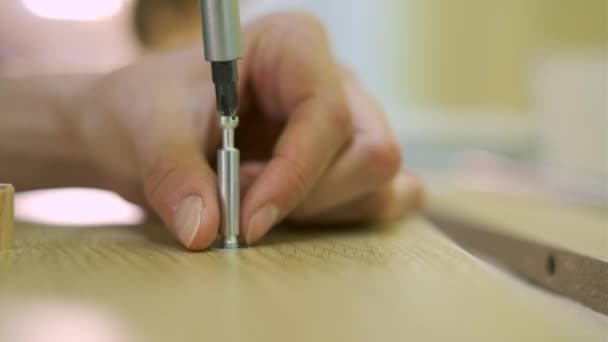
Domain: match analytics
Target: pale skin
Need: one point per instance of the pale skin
(315, 146)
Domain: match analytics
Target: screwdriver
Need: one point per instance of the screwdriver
(223, 47)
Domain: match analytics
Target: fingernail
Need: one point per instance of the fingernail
(261, 222)
(188, 219)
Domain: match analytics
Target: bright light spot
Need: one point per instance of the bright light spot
(79, 10)
(76, 207)
(40, 320)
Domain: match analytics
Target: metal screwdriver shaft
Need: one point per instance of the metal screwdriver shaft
(228, 176)
(222, 40)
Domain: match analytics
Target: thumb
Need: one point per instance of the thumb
(181, 187)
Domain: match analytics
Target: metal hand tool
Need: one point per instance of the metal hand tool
(223, 47)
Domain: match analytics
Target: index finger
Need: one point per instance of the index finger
(318, 126)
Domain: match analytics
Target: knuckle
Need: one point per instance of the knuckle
(382, 159)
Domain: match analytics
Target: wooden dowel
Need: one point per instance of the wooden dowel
(7, 216)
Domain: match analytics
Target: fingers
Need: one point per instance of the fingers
(367, 165)
(295, 77)
(183, 193)
(400, 197)
(370, 162)
(180, 186)
(289, 60)
(314, 134)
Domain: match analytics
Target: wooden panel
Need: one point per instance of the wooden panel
(398, 282)
(7, 217)
(580, 229)
(575, 276)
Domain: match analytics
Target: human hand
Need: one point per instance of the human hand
(314, 145)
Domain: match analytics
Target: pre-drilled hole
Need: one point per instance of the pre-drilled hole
(550, 264)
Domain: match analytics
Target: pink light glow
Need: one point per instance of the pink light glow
(40, 320)
(76, 207)
(79, 10)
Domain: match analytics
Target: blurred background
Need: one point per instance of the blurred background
(497, 95)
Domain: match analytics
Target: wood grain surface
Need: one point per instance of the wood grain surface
(395, 282)
(7, 216)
